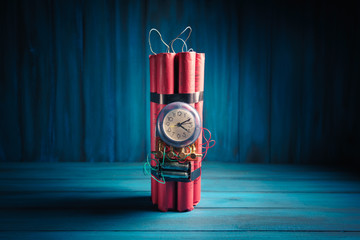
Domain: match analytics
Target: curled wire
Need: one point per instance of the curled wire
(154, 29)
(148, 165)
(184, 44)
(209, 143)
(206, 144)
(172, 42)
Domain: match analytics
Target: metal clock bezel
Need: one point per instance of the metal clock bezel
(160, 119)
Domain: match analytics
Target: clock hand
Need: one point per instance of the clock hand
(184, 121)
(177, 125)
(183, 128)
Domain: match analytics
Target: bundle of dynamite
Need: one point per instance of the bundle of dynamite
(176, 108)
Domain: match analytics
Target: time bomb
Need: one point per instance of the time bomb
(176, 112)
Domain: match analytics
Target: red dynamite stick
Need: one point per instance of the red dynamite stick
(185, 190)
(165, 85)
(199, 86)
(153, 116)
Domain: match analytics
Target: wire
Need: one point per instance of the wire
(182, 160)
(206, 144)
(184, 44)
(148, 165)
(209, 143)
(163, 179)
(168, 48)
(171, 43)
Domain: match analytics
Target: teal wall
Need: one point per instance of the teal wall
(281, 80)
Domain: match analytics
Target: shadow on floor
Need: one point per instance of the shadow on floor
(101, 206)
(111, 205)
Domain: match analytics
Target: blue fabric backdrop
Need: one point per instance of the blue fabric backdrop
(281, 80)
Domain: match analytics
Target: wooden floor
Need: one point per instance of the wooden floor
(112, 201)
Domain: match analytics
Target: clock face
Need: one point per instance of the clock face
(179, 124)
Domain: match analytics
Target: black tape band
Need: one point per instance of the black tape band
(193, 176)
(177, 97)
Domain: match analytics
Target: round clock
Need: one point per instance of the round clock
(178, 124)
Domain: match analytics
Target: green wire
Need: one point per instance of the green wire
(163, 160)
(147, 172)
(183, 157)
(163, 182)
(163, 156)
(147, 161)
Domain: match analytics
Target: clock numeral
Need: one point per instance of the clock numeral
(168, 124)
(190, 126)
(169, 129)
(184, 134)
(174, 114)
(184, 115)
(170, 119)
(178, 136)
(173, 133)
(179, 113)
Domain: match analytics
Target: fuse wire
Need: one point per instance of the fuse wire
(184, 44)
(182, 49)
(154, 29)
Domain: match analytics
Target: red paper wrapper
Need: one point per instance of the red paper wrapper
(199, 86)
(165, 85)
(176, 73)
(153, 116)
(185, 190)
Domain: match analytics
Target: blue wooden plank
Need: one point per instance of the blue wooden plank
(34, 80)
(68, 116)
(141, 200)
(10, 137)
(232, 207)
(218, 185)
(255, 59)
(210, 170)
(269, 168)
(97, 219)
(310, 108)
(285, 87)
(98, 86)
(116, 235)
